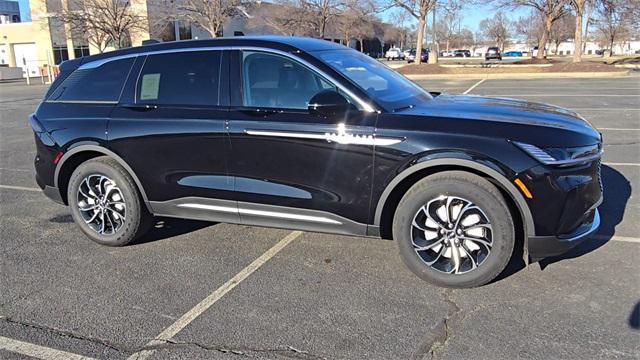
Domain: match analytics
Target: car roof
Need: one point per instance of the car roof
(285, 43)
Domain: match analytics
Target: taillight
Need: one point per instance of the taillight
(56, 159)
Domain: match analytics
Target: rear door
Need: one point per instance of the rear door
(170, 128)
(292, 168)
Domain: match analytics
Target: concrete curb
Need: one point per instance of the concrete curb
(565, 75)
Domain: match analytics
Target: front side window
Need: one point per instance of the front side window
(103, 83)
(180, 78)
(274, 81)
(390, 89)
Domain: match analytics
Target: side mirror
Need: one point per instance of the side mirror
(329, 103)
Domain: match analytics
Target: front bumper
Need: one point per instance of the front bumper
(541, 247)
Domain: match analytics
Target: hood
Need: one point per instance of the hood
(506, 111)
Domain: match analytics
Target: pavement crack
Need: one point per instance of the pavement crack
(65, 333)
(246, 351)
(434, 346)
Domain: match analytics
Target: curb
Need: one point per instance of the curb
(628, 66)
(575, 75)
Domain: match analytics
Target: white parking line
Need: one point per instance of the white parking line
(618, 238)
(620, 164)
(566, 95)
(618, 129)
(37, 351)
(11, 187)
(10, 169)
(205, 304)
(605, 109)
(474, 86)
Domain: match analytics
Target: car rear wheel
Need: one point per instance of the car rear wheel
(454, 229)
(105, 203)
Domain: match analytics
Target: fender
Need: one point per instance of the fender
(105, 151)
(525, 213)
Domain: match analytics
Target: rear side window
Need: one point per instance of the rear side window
(181, 78)
(103, 83)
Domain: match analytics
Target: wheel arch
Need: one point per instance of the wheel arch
(394, 191)
(81, 153)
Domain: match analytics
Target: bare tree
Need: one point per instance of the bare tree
(285, 18)
(419, 10)
(562, 30)
(103, 22)
(449, 25)
(615, 20)
(321, 12)
(549, 10)
(356, 21)
(496, 29)
(579, 10)
(529, 27)
(209, 14)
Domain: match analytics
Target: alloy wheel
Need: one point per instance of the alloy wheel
(452, 235)
(101, 204)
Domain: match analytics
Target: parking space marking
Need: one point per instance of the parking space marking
(567, 95)
(618, 238)
(618, 129)
(37, 351)
(620, 164)
(10, 169)
(205, 304)
(11, 187)
(605, 109)
(474, 86)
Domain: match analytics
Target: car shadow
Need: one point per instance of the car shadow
(617, 191)
(164, 228)
(634, 318)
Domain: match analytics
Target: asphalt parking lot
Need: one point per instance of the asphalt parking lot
(201, 290)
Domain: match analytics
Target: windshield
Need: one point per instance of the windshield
(388, 88)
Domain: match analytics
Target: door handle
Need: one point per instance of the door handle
(140, 107)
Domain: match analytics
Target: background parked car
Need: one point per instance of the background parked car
(462, 53)
(424, 56)
(493, 53)
(534, 53)
(446, 53)
(394, 54)
(512, 54)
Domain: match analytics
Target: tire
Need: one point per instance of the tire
(454, 190)
(126, 216)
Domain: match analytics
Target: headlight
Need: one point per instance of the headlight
(562, 156)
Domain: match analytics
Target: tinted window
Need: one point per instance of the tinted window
(181, 78)
(103, 83)
(387, 87)
(278, 82)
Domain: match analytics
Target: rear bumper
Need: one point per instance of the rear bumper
(541, 247)
(51, 192)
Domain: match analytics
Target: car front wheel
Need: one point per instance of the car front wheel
(454, 229)
(105, 203)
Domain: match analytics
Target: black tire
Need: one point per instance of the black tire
(480, 192)
(137, 219)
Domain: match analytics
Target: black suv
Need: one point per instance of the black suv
(307, 134)
(493, 53)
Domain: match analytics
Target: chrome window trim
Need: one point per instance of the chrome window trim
(105, 102)
(363, 104)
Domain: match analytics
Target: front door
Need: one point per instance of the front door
(292, 168)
